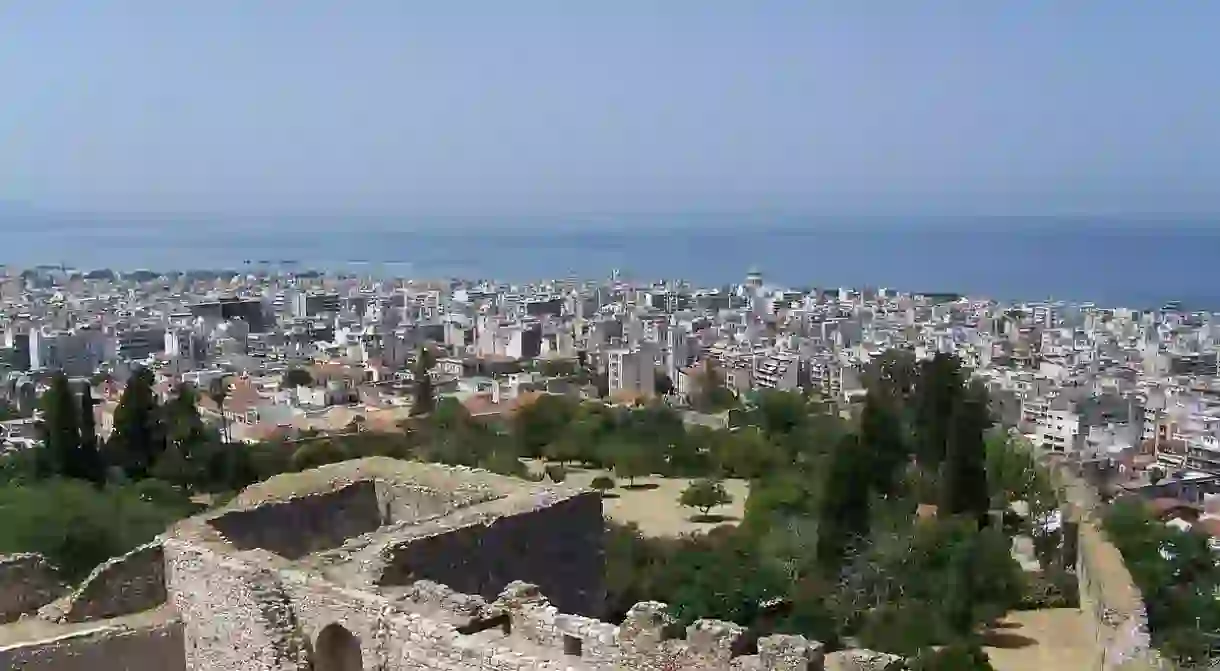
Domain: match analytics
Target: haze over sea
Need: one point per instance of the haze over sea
(1136, 262)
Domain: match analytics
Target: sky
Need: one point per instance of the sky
(539, 107)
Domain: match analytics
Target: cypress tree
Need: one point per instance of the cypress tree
(137, 440)
(844, 511)
(881, 432)
(61, 437)
(184, 424)
(964, 471)
(425, 396)
(938, 388)
(92, 468)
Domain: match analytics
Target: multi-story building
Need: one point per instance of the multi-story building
(313, 304)
(250, 310)
(630, 372)
(778, 370)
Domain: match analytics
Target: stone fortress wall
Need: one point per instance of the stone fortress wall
(1108, 595)
(402, 566)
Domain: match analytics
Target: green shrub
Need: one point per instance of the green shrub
(77, 526)
(556, 472)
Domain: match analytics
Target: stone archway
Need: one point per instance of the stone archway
(337, 649)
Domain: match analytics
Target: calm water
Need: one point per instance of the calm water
(1138, 264)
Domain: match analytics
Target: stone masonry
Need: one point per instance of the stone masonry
(27, 582)
(419, 566)
(378, 564)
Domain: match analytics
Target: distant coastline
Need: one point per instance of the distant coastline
(1115, 263)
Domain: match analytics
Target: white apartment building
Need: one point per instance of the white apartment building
(779, 370)
(1054, 423)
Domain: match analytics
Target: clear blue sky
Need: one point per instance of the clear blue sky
(533, 106)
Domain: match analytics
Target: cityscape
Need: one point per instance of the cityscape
(272, 371)
(627, 336)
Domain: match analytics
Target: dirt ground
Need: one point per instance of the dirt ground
(653, 502)
(1053, 639)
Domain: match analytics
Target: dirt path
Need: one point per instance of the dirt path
(1054, 639)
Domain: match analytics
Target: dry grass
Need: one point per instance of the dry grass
(653, 502)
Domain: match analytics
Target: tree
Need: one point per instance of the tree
(746, 453)
(779, 413)
(296, 377)
(172, 467)
(562, 450)
(631, 461)
(93, 467)
(424, 400)
(895, 372)
(138, 438)
(937, 389)
(704, 494)
(603, 484)
(710, 393)
(964, 471)
(541, 424)
(556, 472)
(881, 432)
(184, 425)
(318, 453)
(60, 432)
(662, 384)
(720, 577)
(843, 517)
(218, 391)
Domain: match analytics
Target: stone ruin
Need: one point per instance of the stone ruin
(372, 564)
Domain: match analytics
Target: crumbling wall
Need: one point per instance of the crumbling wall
(27, 582)
(305, 524)
(1114, 605)
(123, 585)
(235, 616)
(248, 620)
(558, 546)
(1108, 594)
(409, 502)
(156, 648)
(642, 641)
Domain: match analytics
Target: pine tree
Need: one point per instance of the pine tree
(137, 440)
(425, 395)
(61, 437)
(93, 467)
(964, 471)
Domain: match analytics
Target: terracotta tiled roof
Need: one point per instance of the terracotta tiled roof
(242, 397)
(1169, 507)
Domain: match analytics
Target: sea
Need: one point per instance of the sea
(1137, 262)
